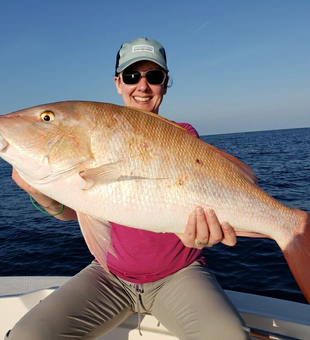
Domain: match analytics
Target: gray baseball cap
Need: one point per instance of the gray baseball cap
(140, 49)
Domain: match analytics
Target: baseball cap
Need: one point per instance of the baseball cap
(140, 49)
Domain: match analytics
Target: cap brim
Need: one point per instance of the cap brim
(135, 60)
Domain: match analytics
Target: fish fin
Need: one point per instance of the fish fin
(246, 170)
(249, 234)
(297, 255)
(104, 174)
(97, 235)
(159, 117)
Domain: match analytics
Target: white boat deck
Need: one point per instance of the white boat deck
(20, 294)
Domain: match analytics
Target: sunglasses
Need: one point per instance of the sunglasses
(153, 77)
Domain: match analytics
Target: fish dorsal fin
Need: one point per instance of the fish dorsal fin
(249, 173)
(159, 117)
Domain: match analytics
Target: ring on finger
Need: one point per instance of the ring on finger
(198, 243)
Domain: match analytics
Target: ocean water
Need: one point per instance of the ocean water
(32, 243)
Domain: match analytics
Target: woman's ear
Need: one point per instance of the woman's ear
(117, 81)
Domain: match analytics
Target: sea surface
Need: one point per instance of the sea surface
(32, 243)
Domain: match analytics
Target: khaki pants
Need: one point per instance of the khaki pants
(190, 304)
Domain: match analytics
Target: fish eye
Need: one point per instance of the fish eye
(47, 116)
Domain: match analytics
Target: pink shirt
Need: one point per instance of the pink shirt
(144, 256)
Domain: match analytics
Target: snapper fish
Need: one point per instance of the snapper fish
(135, 168)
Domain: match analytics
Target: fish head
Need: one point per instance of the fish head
(47, 140)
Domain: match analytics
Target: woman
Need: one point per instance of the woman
(161, 274)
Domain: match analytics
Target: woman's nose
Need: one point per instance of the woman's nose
(143, 84)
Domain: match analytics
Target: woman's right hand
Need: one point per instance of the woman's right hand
(50, 205)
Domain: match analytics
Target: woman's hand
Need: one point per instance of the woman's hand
(29, 189)
(204, 230)
(46, 202)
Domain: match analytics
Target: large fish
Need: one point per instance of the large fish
(112, 163)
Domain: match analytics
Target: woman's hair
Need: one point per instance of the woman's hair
(116, 64)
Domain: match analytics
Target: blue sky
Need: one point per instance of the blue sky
(237, 65)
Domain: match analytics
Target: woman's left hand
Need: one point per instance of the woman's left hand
(204, 230)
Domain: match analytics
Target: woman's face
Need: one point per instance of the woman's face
(142, 95)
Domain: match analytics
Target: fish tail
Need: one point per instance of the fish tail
(297, 254)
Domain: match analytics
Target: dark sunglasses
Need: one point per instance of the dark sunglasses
(153, 77)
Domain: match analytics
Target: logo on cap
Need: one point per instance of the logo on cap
(142, 48)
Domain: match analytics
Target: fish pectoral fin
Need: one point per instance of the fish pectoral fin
(103, 174)
(97, 235)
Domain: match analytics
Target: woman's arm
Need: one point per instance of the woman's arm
(50, 205)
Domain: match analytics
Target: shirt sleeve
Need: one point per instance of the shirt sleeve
(189, 128)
